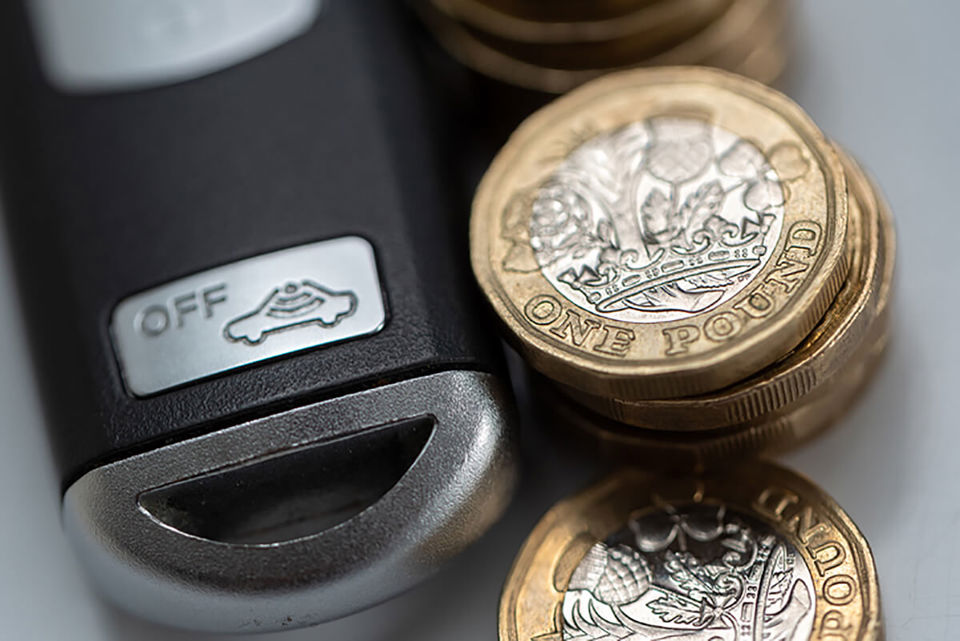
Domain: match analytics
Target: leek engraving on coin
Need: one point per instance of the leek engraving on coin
(690, 573)
(293, 305)
(660, 220)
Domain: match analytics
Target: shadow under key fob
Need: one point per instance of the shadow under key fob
(271, 397)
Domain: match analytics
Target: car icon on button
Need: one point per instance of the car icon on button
(291, 306)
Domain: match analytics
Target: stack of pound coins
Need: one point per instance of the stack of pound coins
(555, 45)
(692, 267)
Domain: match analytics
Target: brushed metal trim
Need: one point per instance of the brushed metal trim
(453, 492)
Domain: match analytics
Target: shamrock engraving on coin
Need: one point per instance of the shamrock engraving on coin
(745, 552)
(661, 233)
(659, 220)
(690, 572)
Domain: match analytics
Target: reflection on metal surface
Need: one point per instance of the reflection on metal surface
(293, 494)
(167, 535)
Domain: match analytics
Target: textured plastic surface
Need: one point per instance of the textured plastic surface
(328, 135)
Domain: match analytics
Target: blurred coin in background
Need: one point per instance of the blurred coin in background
(553, 47)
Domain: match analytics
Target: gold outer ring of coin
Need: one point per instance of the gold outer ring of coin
(816, 362)
(583, 560)
(663, 359)
(728, 31)
(648, 18)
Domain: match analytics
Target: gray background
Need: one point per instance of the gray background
(881, 78)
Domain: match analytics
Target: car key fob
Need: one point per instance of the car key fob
(271, 396)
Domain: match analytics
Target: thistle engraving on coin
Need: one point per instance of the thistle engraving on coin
(690, 573)
(657, 220)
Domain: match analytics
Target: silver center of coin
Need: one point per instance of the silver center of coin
(657, 221)
(691, 573)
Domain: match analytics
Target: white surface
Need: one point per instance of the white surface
(878, 76)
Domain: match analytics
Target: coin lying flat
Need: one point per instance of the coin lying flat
(856, 317)
(714, 36)
(554, 47)
(751, 552)
(661, 233)
(621, 52)
(566, 10)
(654, 19)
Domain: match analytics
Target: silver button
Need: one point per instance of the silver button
(248, 311)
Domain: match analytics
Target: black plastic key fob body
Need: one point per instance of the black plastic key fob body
(271, 397)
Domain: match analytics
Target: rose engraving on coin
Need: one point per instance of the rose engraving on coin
(660, 220)
(693, 572)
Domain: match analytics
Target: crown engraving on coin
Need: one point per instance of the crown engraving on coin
(658, 220)
(691, 572)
